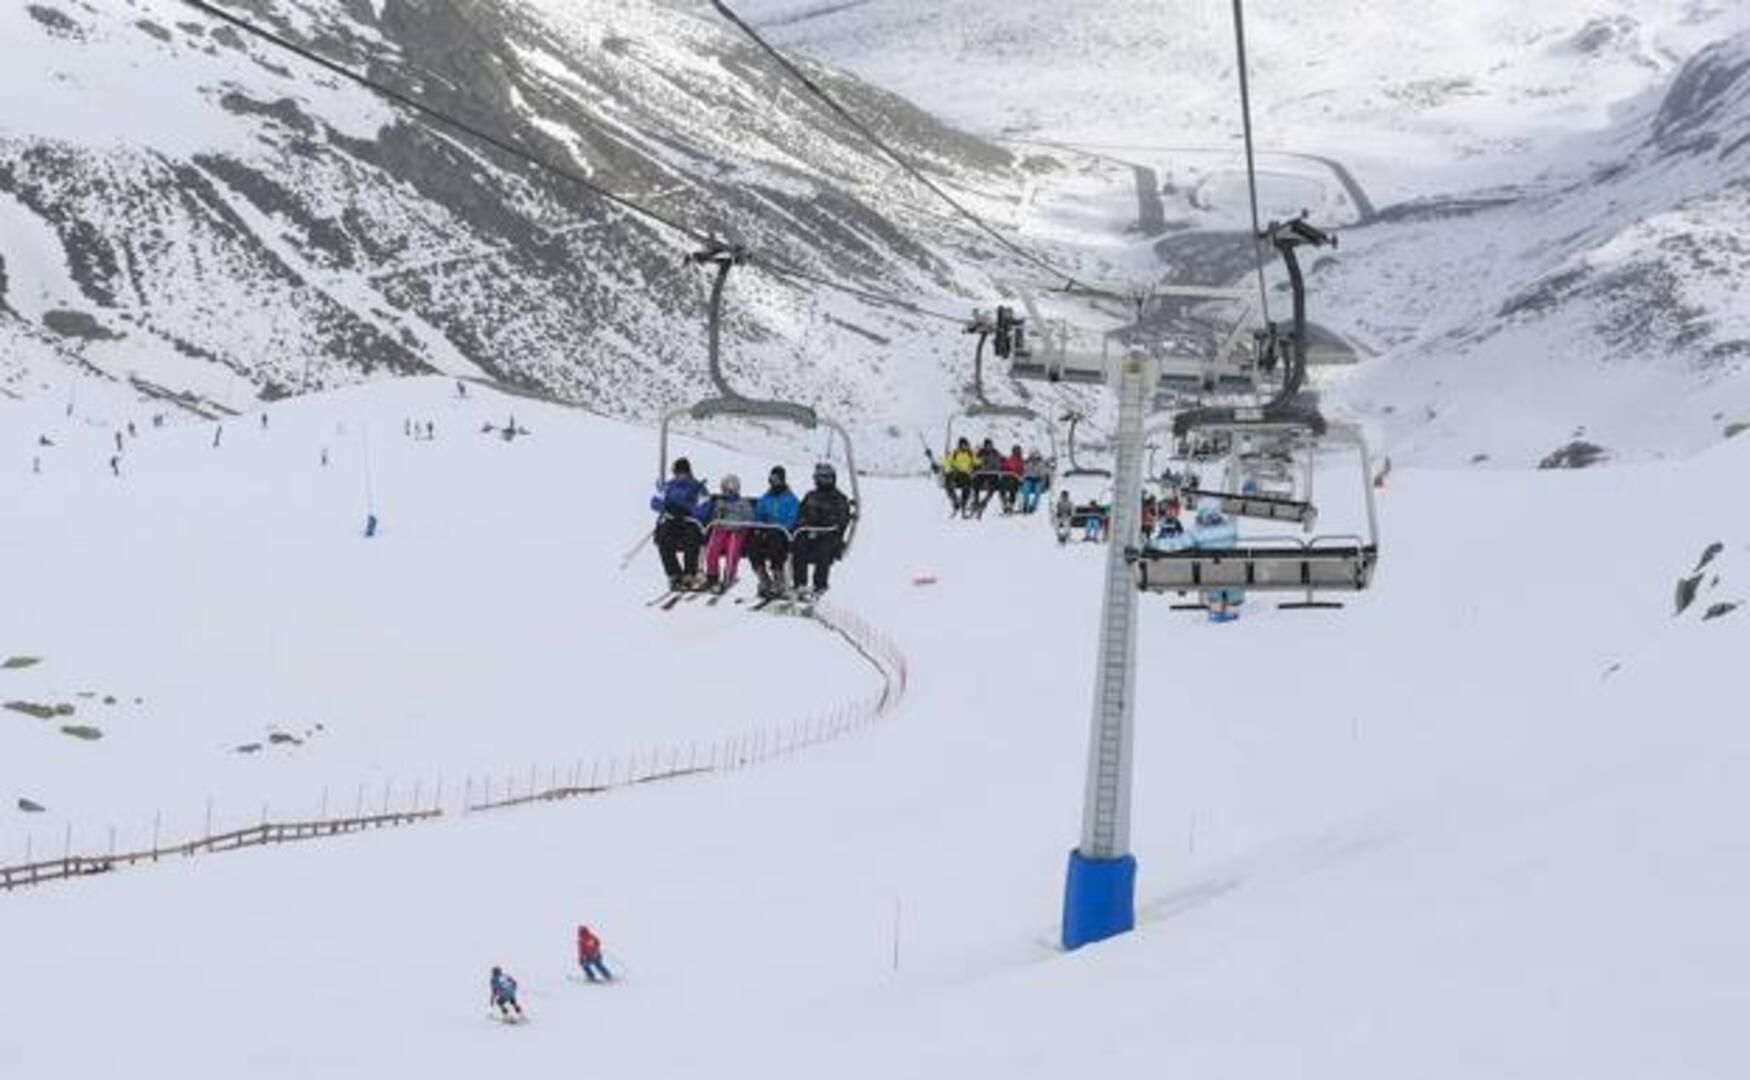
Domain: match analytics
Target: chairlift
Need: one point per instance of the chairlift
(1257, 441)
(1276, 564)
(1076, 468)
(1190, 368)
(732, 404)
(1009, 334)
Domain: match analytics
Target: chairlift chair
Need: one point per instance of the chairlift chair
(732, 404)
(1267, 433)
(1277, 564)
(1076, 468)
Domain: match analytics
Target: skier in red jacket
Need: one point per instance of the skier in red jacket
(589, 955)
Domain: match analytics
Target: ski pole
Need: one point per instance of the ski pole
(626, 561)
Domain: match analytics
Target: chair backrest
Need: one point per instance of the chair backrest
(1330, 565)
(1265, 507)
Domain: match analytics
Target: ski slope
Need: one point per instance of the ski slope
(1484, 822)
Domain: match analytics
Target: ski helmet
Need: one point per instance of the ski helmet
(683, 467)
(731, 484)
(825, 475)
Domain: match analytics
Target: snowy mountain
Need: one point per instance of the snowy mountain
(1602, 315)
(1485, 821)
(248, 225)
(1543, 201)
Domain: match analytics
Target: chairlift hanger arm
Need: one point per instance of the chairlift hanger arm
(1287, 237)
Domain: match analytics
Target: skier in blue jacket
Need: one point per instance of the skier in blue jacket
(768, 545)
(504, 994)
(1215, 531)
(680, 528)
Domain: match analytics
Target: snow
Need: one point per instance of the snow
(1490, 807)
(205, 574)
(1411, 91)
(1480, 344)
(1484, 821)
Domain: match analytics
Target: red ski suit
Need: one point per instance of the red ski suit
(588, 945)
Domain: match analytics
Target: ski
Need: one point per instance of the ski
(673, 599)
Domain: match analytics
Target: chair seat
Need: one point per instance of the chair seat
(1284, 567)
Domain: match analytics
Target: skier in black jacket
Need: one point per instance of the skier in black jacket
(821, 523)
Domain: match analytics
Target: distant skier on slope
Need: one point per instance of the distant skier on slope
(504, 994)
(589, 955)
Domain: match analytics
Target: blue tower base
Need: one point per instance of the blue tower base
(1099, 899)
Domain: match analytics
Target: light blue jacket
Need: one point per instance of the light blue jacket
(777, 508)
(1217, 535)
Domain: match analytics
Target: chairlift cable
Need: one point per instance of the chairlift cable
(832, 105)
(1251, 159)
(443, 119)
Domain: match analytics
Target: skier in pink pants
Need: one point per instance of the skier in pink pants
(730, 515)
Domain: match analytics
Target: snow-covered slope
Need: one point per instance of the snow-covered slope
(1604, 311)
(237, 647)
(1549, 197)
(1482, 822)
(1404, 92)
(186, 208)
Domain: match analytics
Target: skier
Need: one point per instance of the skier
(1063, 516)
(678, 529)
(821, 522)
(1170, 536)
(729, 515)
(589, 955)
(1093, 518)
(115, 464)
(1035, 478)
(1215, 531)
(768, 548)
(118, 442)
(958, 479)
(218, 433)
(504, 995)
(1009, 483)
(984, 480)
